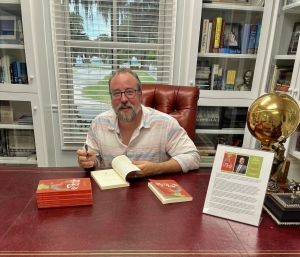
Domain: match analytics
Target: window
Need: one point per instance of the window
(93, 37)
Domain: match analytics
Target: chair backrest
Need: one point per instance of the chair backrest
(177, 101)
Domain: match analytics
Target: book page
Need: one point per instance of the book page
(237, 189)
(108, 178)
(122, 164)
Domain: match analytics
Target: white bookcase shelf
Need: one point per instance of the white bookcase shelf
(15, 126)
(11, 46)
(12, 160)
(220, 131)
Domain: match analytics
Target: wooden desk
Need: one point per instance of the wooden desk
(128, 222)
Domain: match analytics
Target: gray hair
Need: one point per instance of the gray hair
(126, 70)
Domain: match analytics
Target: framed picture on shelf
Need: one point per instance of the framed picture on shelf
(232, 35)
(294, 39)
(208, 117)
(8, 27)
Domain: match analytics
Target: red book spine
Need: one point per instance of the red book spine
(212, 36)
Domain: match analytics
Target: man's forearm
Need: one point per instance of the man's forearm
(167, 167)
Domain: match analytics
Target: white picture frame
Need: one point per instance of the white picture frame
(8, 27)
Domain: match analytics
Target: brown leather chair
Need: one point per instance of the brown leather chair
(177, 101)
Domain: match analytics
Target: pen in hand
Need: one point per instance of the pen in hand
(86, 149)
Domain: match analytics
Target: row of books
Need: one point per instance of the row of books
(294, 39)
(25, 120)
(216, 117)
(215, 78)
(12, 72)
(78, 191)
(219, 36)
(280, 79)
(207, 145)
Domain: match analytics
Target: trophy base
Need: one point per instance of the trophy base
(281, 209)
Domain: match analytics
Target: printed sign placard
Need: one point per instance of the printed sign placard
(238, 184)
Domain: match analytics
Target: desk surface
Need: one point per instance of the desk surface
(128, 222)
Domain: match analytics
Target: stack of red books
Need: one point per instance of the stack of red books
(64, 192)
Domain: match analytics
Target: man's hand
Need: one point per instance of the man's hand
(86, 159)
(151, 168)
(147, 169)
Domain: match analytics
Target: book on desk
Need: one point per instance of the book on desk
(64, 192)
(115, 177)
(169, 191)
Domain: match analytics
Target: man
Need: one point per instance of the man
(154, 141)
(240, 168)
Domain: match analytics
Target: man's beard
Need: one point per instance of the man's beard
(127, 117)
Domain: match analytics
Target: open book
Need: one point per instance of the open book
(115, 177)
(169, 191)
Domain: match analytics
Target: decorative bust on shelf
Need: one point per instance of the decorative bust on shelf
(247, 83)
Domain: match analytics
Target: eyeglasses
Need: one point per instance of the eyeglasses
(129, 93)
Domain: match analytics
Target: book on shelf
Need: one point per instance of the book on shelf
(25, 120)
(218, 82)
(230, 80)
(222, 35)
(203, 75)
(223, 80)
(257, 38)
(115, 177)
(15, 73)
(5, 64)
(212, 36)
(205, 27)
(214, 76)
(218, 32)
(6, 112)
(252, 38)
(203, 86)
(208, 37)
(228, 50)
(20, 140)
(205, 152)
(282, 88)
(245, 33)
(169, 191)
(280, 75)
(23, 70)
(294, 39)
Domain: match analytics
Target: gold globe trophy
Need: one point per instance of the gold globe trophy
(271, 119)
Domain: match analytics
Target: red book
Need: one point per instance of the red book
(228, 162)
(169, 191)
(62, 197)
(66, 186)
(212, 36)
(63, 204)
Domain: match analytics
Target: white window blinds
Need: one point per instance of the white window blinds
(93, 37)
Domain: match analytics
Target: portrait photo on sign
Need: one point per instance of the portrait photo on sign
(241, 164)
(232, 37)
